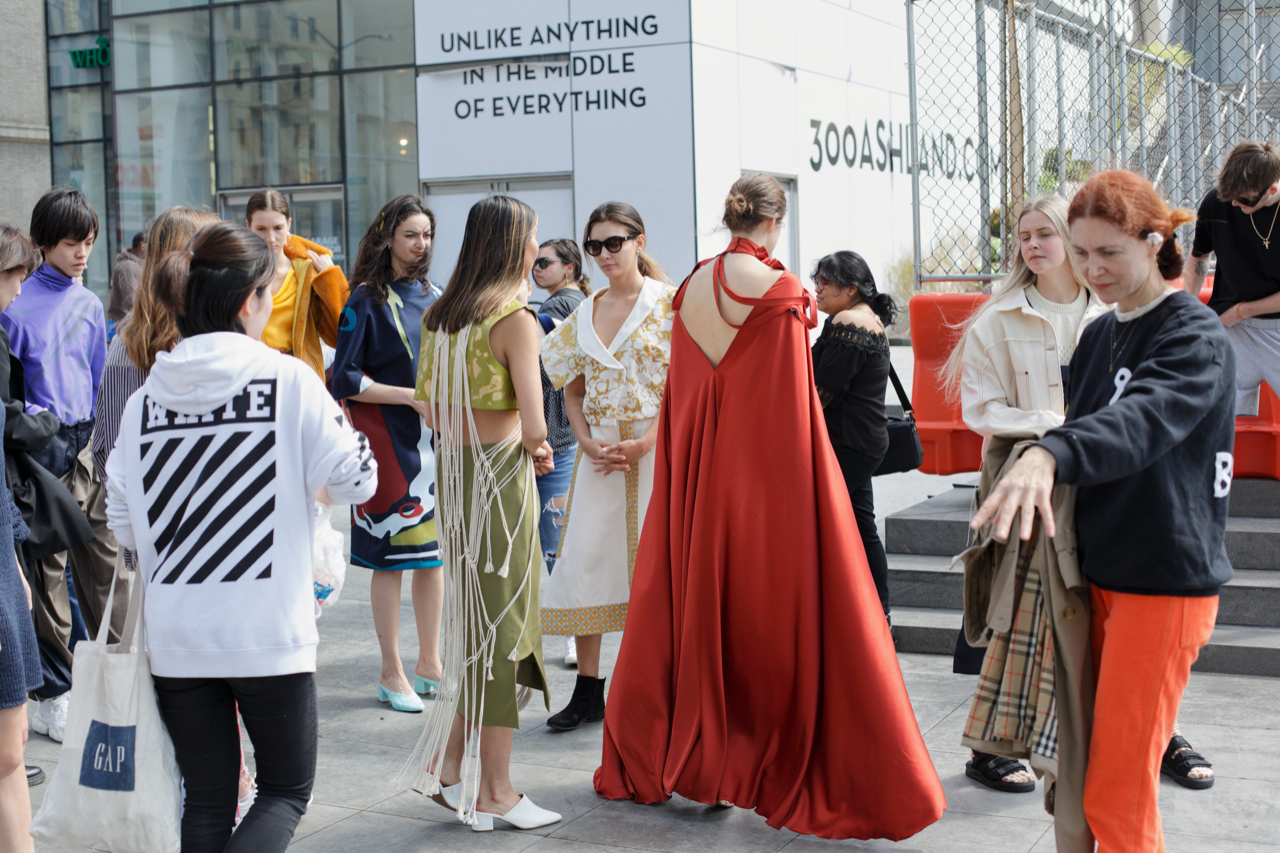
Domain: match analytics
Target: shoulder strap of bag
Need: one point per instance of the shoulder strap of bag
(907, 411)
(134, 615)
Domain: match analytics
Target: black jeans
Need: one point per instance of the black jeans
(857, 469)
(279, 714)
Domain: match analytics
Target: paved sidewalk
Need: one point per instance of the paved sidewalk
(1234, 720)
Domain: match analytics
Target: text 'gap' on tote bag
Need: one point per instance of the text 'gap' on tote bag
(905, 452)
(116, 786)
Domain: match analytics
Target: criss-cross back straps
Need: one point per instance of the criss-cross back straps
(804, 306)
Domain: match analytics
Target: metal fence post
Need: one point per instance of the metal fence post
(984, 136)
(1033, 164)
(1062, 114)
(1251, 9)
(916, 253)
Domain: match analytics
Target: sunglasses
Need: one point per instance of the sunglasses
(543, 263)
(1257, 200)
(613, 244)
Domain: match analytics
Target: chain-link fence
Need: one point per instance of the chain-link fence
(1014, 100)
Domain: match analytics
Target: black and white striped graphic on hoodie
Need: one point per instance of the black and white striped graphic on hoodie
(210, 488)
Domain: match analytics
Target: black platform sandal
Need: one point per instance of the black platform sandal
(990, 770)
(1178, 761)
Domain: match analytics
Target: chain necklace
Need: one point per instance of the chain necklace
(1266, 241)
(1124, 342)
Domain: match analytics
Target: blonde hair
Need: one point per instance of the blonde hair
(1020, 276)
(490, 266)
(152, 326)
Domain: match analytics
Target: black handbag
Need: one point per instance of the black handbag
(905, 452)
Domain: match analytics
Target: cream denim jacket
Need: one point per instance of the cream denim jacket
(1011, 380)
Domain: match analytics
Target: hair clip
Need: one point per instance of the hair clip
(1156, 239)
(190, 254)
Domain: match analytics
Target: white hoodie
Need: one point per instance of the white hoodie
(212, 484)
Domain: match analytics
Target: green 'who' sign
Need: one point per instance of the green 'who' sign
(93, 57)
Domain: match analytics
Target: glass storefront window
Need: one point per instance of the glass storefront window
(375, 35)
(76, 114)
(161, 50)
(62, 62)
(83, 166)
(163, 155)
(279, 132)
(273, 39)
(132, 7)
(72, 16)
(382, 143)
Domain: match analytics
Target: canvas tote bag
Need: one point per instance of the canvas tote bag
(116, 786)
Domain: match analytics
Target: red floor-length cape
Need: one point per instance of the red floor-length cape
(756, 666)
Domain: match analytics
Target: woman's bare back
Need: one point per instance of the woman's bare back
(747, 277)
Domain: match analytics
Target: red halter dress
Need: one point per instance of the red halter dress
(757, 666)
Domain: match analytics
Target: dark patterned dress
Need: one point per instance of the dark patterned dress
(396, 530)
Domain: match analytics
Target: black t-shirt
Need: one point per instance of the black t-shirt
(1246, 269)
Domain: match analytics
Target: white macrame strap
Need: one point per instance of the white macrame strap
(468, 636)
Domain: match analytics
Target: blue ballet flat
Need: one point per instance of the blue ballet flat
(407, 702)
(425, 686)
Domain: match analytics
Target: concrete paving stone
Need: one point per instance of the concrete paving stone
(677, 826)
(564, 845)
(356, 775)
(956, 832)
(320, 817)
(945, 736)
(1175, 843)
(357, 716)
(1231, 700)
(568, 792)
(930, 714)
(1235, 809)
(372, 832)
(576, 750)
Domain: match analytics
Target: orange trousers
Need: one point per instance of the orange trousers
(1143, 648)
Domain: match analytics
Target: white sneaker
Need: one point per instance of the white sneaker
(50, 717)
(571, 652)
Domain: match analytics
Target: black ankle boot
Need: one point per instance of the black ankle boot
(586, 706)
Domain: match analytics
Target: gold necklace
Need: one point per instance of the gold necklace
(1133, 324)
(1266, 241)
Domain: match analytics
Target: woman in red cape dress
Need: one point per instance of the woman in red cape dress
(757, 667)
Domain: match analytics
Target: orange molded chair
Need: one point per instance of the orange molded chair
(949, 446)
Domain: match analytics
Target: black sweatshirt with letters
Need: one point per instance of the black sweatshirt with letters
(1148, 439)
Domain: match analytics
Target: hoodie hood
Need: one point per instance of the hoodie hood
(204, 372)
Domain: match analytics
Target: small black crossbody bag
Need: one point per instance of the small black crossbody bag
(905, 452)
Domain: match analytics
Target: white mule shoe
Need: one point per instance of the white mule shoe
(449, 796)
(525, 815)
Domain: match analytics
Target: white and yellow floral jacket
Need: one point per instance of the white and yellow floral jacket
(626, 379)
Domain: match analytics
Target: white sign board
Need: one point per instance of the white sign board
(450, 32)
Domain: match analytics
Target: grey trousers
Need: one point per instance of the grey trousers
(93, 567)
(1257, 343)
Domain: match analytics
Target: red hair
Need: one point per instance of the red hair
(1129, 202)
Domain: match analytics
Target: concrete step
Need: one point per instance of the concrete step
(1252, 598)
(1232, 650)
(1255, 498)
(940, 527)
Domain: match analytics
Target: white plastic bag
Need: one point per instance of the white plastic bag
(116, 786)
(329, 558)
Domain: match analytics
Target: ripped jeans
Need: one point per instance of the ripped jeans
(552, 489)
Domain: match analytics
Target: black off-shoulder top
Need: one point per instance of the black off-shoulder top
(851, 370)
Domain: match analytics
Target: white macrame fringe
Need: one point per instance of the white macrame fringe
(462, 528)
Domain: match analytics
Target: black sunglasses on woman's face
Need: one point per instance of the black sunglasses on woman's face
(543, 263)
(613, 244)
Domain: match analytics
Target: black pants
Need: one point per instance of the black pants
(857, 469)
(279, 714)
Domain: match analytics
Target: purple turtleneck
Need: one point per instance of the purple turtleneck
(57, 329)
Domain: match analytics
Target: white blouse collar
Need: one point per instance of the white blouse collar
(590, 342)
